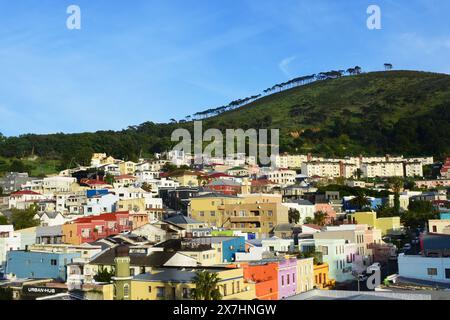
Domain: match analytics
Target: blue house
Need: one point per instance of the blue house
(39, 264)
(348, 206)
(229, 247)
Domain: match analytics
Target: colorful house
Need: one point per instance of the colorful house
(287, 278)
(92, 228)
(305, 275)
(177, 284)
(39, 264)
(321, 276)
(389, 225)
(338, 254)
(265, 278)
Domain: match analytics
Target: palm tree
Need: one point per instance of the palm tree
(206, 286)
(360, 201)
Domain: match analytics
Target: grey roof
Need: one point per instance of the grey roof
(51, 215)
(214, 195)
(181, 219)
(49, 231)
(154, 259)
(185, 275)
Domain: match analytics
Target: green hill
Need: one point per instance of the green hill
(396, 112)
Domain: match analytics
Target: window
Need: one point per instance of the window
(186, 293)
(447, 273)
(202, 213)
(160, 292)
(126, 290)
(288, 280)
(282, 281)
(53, 262)
(213, 213)
(149, 289)
(432, 271)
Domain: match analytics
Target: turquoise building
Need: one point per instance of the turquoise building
(39, 265)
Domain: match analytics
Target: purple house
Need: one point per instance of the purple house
(287, 278)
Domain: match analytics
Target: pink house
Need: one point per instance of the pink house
(328, 209)
(287, 278)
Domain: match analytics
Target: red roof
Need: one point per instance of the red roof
(101, 217)
(93, 182)
(24, 192)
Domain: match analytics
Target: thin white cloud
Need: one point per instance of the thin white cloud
(285, 63)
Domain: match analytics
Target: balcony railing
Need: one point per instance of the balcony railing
(246, 219)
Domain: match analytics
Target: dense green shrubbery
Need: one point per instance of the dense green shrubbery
(397, 112)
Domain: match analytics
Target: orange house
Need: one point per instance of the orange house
(265, 277)
(321, 278)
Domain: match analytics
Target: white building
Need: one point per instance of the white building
(254, 254)
(322, 169)
(414, 169)
(282, 177)
(276, 244)
(100, 204)
(9, 240)
(23, 196)
(58, 184)
(382, 169)
(304, 207)
(110, 168)
(50, 219)
(287, 161)
(146, 176)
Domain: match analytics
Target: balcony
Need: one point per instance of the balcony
(245, 219)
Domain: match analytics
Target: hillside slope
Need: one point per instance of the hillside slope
(393, 112)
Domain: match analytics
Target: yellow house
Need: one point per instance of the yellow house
(177, 283)
(387, 225)
(210, 208)
(253, 213)
(127, 167)
(305, 275)
(187, 178)
(321, 277)
(136, 204)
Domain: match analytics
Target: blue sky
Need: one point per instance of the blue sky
(148, 60)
